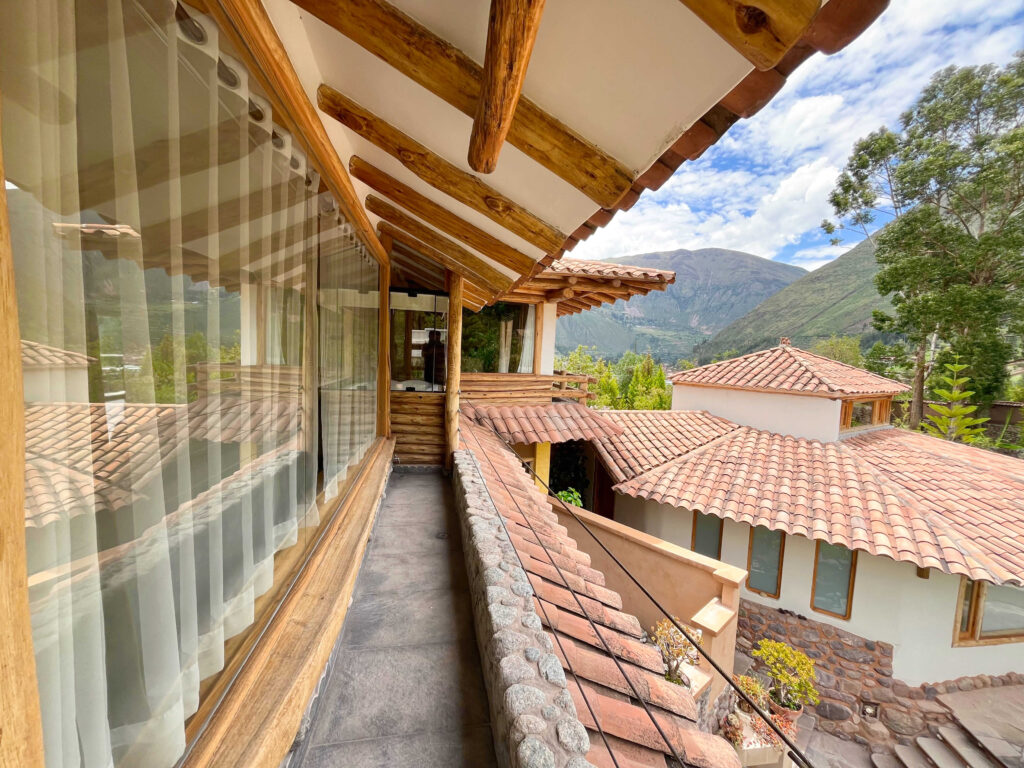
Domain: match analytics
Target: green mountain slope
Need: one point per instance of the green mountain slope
(713, 287)
(837, 298)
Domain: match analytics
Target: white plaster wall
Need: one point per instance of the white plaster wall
(549, 313)
(890, 603)
(815, 418)
(56, 385)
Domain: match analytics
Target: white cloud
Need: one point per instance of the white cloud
(764, 186)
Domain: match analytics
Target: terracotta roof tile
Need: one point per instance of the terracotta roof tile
(581, 645)
(788, 369)
(888, 492)
(597, 269)
(36, 355)
(543, 423)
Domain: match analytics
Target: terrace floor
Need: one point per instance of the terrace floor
(406, 688)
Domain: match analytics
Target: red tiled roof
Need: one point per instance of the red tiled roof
(599, 269)
(788, 369)
(544, 423)
(647, 439)
(634, 740)
(888, 492)
(36, 355)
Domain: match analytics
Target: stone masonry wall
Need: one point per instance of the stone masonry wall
(533, 719)
(852, 672)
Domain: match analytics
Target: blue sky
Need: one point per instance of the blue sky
(763, 188)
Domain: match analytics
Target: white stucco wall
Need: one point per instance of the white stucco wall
(56, 384)
(890, 603)
(549, 312)
(816, 418)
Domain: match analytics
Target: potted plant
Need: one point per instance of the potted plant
(753, 688)
(768, 737)
(791, 677)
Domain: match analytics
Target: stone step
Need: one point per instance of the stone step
(969, 752)
(912, 757)
(940, 755)
(882, 760)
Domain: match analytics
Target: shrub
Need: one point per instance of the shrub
(753, 688)
(675, 649)
(570, 496)
(791, 674)
(766, 735)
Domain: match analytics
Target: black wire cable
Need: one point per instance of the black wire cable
(794, 752)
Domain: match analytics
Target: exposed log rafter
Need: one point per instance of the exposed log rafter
(454, 77)
(511, 33)
(762, 31)
(440, 217)
(439, 173)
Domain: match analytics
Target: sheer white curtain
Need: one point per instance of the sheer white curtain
(529, 336)
(146, 186)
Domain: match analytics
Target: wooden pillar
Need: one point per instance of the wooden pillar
(21, 742)
(451, 400)
(384, 345)
(538, 336)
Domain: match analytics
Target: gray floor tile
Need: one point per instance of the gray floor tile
(407, 617)
(388, 692)
(471, 748)
(406, 572)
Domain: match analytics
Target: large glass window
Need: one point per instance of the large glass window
(764, 564)
(498, 339)
(166, 233)
(834, 571)
(419, 341)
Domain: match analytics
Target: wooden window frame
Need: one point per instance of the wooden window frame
(972, 635)
(880, 414)
(852, 582)
(782, 562)
(721, 531)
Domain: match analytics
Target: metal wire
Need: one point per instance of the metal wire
(794, 752)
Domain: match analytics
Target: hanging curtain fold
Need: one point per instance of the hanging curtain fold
(168, 240)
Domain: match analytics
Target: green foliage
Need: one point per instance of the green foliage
(845, 349)
(753, 688)
(952, 181)
(888, 360)
(570, 496)
(727, 355)
(676, 650)
(166, 369)
(1015, 392)
(635, 382)
(953, 421)
(685, 364)
(568, 468)
(791, 674)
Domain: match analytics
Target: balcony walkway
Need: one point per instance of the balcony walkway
(406, 687)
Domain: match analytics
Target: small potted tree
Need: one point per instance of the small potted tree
(753, 688)
(791, 678)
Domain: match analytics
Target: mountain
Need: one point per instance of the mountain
(837, 298)
(713, 287)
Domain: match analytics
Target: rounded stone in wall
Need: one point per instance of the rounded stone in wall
(832, 710)
(902, 721)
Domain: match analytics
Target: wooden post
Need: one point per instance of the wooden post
(451, 400)
(384, 345)
(21, 733)
(538, 336)
(511, 33)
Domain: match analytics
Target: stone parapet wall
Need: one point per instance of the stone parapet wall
(853, 672)
(533, 718)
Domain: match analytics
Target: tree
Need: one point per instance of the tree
(648, 390)
(952, 183)
(953, 421)
(887, 360)
(845, 349)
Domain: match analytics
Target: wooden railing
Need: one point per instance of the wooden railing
(698, 590)
(525, 387)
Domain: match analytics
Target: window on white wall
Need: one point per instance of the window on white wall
(707, 535)
(989, 613)
(834, 570)
(764, 562)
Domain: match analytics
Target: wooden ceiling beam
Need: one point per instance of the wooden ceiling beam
(511, 32)
(470, 264)
(559, 294)
(437, 256)
(762, 31)
(440, 217)
(439, 173)
(454, 77)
